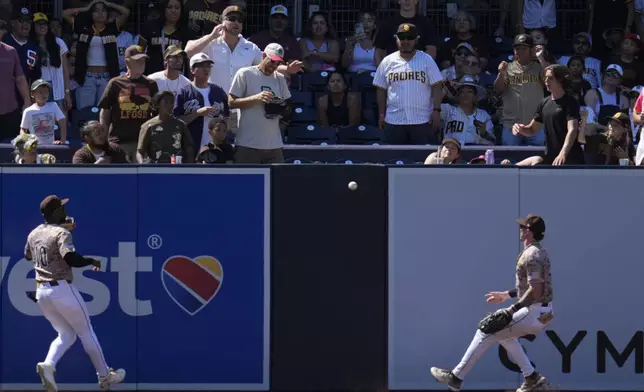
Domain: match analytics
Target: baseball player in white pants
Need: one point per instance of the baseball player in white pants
(530, 314)
(50, 247)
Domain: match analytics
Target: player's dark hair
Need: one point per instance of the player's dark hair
(160, 97)
(538, 236)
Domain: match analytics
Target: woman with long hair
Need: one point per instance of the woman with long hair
(360, 53)
(608, 148)
(320, 48)
(338, 107)
(52, 55)
(170, 29)
(97, 57)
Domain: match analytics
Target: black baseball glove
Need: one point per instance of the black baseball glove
(276, 108)
(494, 322)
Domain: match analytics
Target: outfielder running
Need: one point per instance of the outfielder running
(50, 247)
(528, 316)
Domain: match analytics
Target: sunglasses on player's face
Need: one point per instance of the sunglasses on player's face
(235, 18)
(406, 37)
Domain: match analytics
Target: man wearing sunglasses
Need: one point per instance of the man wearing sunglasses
(409, 92)
(582, 44)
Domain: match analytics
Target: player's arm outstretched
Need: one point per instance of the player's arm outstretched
(73, 259)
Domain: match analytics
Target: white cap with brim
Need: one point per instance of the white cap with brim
(200, 58)
(275, 52)
(469, 81)
(279, 10)
(617, 68)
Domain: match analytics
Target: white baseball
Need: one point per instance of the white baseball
(353, 185)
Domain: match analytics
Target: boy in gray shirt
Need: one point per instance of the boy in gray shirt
(263, 97)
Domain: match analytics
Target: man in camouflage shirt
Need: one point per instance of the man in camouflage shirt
(530, 314)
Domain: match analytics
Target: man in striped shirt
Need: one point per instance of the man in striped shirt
(581, 44)
(409, 92)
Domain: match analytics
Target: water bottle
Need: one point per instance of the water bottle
(489, 157)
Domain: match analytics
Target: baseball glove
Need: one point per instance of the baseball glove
(494, 322)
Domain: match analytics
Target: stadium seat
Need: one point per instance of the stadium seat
(316, 97)
(361, 80)
(499, 46)
(360, 134)
(78, 118)
(302, 98)
(311, 134)
(298, 160)
(304, 115)
(314, 81)
(400, 161)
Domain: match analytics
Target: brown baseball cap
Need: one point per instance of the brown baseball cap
(232, 9)
(621, 118)
(135, 52)
(407, 28)
(453, 142)
(533, 222)
(173, 50)
(51, 203)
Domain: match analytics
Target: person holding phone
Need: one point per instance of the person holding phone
(360, 53)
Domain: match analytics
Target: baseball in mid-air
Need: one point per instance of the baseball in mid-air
(353, 185)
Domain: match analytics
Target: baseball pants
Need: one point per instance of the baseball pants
(527, 321)
(65, 309)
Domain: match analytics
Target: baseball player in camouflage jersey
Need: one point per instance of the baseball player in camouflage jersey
(530, 314)
(50, 247)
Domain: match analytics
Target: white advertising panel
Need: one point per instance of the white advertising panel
(453, 237)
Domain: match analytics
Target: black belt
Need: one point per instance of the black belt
(545, 304)
(54, 283)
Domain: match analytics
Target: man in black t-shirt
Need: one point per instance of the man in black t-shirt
(559, 113)
(385, 41)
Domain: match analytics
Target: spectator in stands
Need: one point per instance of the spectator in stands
(448, 153)
(533, 14)
(466, 123)
(125, 104)
(540, 38)
(52, 55)
(27, 48)
(40, 119)
(609, 98)
(218, 150)
(263, 97)
(628, 59)
(204, 15)
(3, 28)
(97, 150)
(638, 119)
(409, 92)
(386, 42)
(12, 77)
(319, 45)
(463, 29)
(338, 107)
(638, 11)
(26, 151)
(124, 40)
(609, 14)
(56, 27)
(96, 50)
(577, 82)
(581, 44)
(360, 53)
(164, 136)
(521, 83)
(171, 78)
(607, 148)
(171, 29)
(466, 62)
(559, 112)
(611, 38)
(201, 102)
(277, 32)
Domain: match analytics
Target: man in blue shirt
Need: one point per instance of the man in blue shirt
(19, 39)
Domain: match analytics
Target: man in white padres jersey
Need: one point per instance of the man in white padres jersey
(409, 92)
(530, 314)
(50, 247)
(581, 45)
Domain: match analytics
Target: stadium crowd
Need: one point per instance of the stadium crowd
(189, 87)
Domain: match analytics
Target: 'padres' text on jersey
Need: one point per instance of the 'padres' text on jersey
(409, 87)
(534, 266)
(47, 246)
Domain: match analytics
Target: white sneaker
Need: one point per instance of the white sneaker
(46, 373)
(113, 377)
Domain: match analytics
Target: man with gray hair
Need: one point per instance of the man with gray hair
(263, 97)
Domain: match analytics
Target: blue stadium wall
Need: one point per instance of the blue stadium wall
(281, 278)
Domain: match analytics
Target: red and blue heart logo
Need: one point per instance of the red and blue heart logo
(192, 283)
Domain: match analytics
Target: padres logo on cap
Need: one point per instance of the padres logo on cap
(406, 27)
(235, 8)
(24, 11)
(139, 49)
